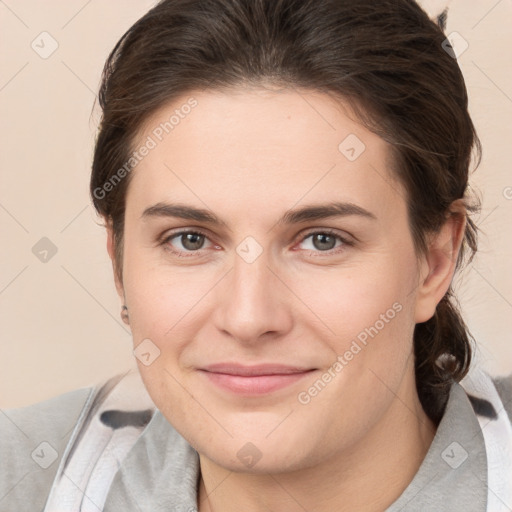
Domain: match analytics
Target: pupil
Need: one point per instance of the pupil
(192, 241)
(195, 241)
(324, 239)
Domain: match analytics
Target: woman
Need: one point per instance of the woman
(284, 188)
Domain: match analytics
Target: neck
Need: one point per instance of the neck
(368, 477)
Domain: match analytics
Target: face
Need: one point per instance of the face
(276, 323)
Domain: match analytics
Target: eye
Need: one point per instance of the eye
(325, 241)
(184, 242)
(190, 242)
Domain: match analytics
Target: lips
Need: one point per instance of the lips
(253, 380)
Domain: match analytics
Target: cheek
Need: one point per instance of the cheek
(341, 304)
(163, 303)
(363, 314)
(367, 320)
(349, 300)
(370, 320)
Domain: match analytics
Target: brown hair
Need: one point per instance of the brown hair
(386, 58)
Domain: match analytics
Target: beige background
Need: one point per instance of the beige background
(60, 319)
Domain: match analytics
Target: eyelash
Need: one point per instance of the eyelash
(188, 254)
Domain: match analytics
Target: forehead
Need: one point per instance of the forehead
(258, 146)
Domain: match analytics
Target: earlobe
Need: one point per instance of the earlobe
(439, 263)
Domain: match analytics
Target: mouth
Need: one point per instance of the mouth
(254, 380)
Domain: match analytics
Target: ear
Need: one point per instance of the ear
(112, 253)
(438, 264)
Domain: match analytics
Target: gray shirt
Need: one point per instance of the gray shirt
(161, 470)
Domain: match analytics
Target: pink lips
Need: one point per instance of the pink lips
(253, 380)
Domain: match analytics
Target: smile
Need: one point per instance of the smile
(255, 380)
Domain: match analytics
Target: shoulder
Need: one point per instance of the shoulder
(503, 386)
(51, 417)
(39, 442)
(32, 442)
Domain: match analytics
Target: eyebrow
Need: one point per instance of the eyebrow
(295, 216)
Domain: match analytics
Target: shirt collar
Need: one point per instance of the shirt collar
(453, 474)
(162, 469)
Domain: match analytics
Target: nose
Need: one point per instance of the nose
(253, 304)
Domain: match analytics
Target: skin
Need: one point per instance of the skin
(249, 155)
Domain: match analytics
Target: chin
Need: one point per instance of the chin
(252, 460)
(255, 452)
